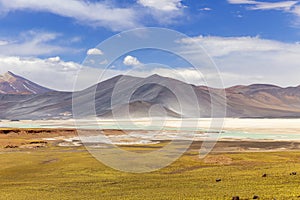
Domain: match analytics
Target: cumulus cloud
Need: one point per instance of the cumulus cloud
(94, 51)
(55, 59)
(131, 61)
(241, 60)
(51, 72)
(60, 75)
(164, 11)
(246, 60)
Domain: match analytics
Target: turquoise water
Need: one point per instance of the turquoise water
(258, 136)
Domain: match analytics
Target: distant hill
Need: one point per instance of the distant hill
(13, 84)
(262, 100)
(154, 93)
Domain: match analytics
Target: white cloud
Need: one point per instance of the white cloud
(246, 60)
(241, 60)
(60, 75)
(222, 46)
(94, 51)
(241, 1)
(163, 11)
(3, 42)
(261, 5)
(162, 5)
(32, 43)
(296, 11)
(285, 6)
(92, 13)
(206, 9)
(104, 62)
(51, 72)
(105, 13)
(131, 61)
(54, 59)
(75, 39)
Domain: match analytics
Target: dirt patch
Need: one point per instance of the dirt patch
(38, 142)
(113, 132)
(31, 138)
(33, 146)
(7, 132)
(10, 146)
(218, 159)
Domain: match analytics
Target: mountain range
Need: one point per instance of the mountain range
(157, 95)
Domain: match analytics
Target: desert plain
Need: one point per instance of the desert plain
(253, 158)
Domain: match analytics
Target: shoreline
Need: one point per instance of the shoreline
(30, 138)
(201, 135)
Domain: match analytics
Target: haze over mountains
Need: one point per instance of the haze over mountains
(157, 95)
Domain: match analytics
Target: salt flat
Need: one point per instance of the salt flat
(251, 125)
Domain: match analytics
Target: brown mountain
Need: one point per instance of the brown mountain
(255, 101)
(262, 100)
(13, 84)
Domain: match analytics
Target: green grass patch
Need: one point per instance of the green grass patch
(72, 173)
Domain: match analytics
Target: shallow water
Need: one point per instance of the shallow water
(259, 136)
(142, 130)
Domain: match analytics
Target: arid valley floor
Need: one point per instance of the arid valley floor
(40, 163)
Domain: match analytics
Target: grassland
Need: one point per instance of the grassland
(72, 173)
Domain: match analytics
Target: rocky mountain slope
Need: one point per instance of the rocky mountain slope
(154, 96)
(13, 84)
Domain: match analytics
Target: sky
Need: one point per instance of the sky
(249, 41)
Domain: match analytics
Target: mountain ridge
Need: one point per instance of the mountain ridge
(159, 76)
(11, 83)
(156, 94)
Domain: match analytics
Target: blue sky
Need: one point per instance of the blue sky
(250, 41)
